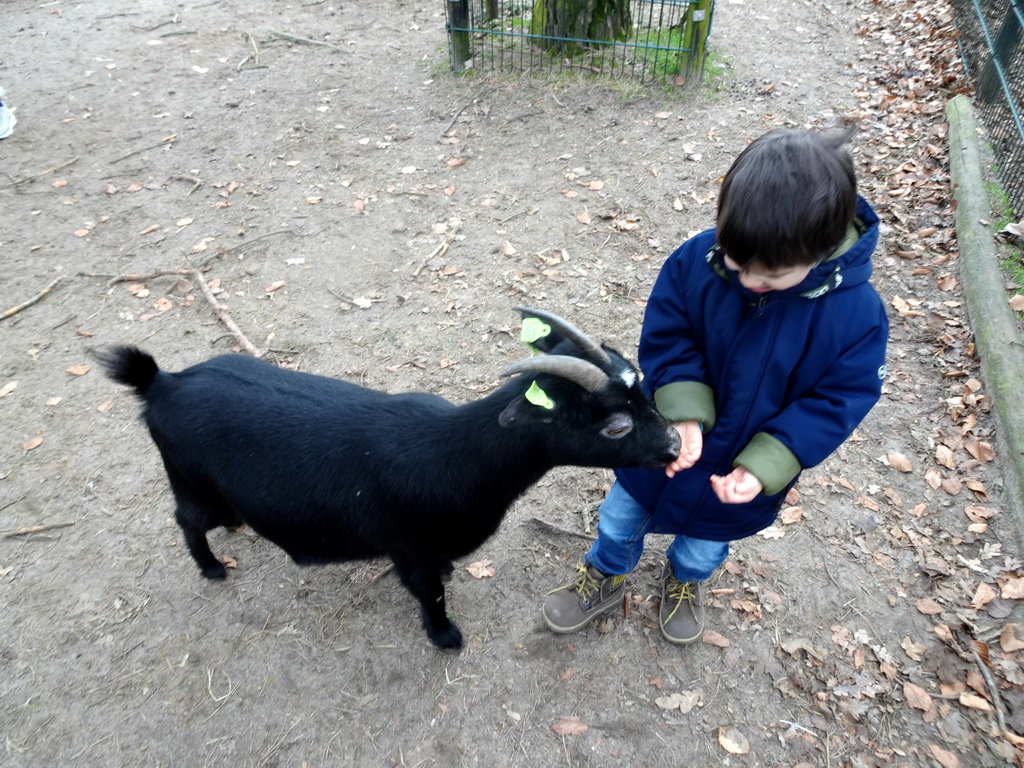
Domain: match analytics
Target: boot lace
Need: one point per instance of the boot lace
(586, 585)
(680, 590)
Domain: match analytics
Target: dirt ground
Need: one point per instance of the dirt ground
(364, 214)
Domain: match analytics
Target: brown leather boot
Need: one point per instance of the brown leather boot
(682, 615)
(591, 594)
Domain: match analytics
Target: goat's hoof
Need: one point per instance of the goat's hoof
(216, 571)
(449, 638)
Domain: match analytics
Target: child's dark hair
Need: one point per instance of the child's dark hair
(788, 199)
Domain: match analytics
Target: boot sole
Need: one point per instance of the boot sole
(680, 640)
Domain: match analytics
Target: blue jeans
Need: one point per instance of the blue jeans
(621, 527)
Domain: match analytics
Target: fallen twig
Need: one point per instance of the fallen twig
(48, 170)
(551, 527)
(196, 183)
(25, 305)
(165, 142)
(199, 280)
(993, 690)
(305, 40)
(378, 576)
(256, 52)
(223, 316)
(441, 250)
(136, 278)
(222, 251)
(36, 529)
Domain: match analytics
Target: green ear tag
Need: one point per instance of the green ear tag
(534, 329)
(538, 396)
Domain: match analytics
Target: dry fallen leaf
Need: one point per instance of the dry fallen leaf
(32, 443)
(201, 245)
(710, 637)
(917, 697)
(944, 757)
(928, 606)
(77, 370)
(684, 701)
(944, 456)
(1011, 638)
(162, 304)
(916, 651)
(481, 569)
(105, 406)
(276, 285)
(9, 387)
(899, 462)
(983, 595)
(975, 702)
(569, 726)
(1013, 589)
(980, 450)
(791, 515)
(733, 741)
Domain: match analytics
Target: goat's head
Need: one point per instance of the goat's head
(590, 398)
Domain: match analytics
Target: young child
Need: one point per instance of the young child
(764, 343)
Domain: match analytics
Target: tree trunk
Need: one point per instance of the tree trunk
(580, 21)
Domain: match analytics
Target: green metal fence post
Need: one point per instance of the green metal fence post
(458, 33)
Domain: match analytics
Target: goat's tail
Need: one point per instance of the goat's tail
(128, 365)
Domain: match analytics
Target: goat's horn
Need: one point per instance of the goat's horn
(582, 372)
(584, 343)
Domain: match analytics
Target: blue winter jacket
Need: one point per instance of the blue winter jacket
(779, 380)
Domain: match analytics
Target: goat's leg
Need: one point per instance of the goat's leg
(198, 513)
(199, 548)
(424, 581)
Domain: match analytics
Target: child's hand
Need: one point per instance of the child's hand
(691, 445)
(738, 487)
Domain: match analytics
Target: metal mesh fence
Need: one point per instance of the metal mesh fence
(651, 41)
(992, 46)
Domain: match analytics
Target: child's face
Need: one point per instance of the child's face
(754, 277)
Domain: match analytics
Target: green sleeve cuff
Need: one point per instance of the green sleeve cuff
(687, 401)
(770, 461)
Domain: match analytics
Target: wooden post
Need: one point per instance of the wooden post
(458, 33)
(691, 61)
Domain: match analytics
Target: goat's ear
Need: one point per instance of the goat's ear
(532, 407)
(538, 335)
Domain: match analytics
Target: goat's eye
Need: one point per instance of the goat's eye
(616, 432)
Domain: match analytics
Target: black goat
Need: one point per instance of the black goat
(331, 471)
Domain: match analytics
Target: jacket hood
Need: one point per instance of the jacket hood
(844, 269)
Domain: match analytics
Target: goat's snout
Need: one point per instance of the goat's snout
(674, 443)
